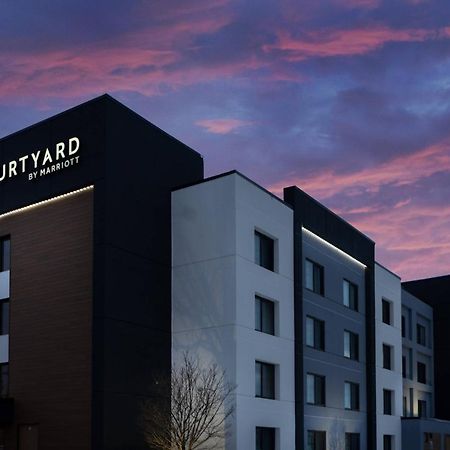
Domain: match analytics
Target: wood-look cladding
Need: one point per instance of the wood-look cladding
(51, 321)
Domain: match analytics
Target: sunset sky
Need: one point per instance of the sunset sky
(348, 99)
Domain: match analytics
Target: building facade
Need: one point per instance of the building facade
(117, 256)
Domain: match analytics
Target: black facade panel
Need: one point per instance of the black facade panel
(310, 214)
(133, 166)
(436, 292)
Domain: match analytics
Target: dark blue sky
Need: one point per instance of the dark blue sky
(348, 99)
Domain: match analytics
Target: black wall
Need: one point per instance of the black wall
(310, 214)
(133, 166)
(436, 292)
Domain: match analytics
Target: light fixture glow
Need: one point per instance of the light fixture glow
(44, 202)
(333, 247)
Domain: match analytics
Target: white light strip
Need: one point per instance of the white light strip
(44, 202)
(332, 247)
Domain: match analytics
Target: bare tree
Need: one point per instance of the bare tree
(196, 417)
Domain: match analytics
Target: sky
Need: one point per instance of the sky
(347, 99)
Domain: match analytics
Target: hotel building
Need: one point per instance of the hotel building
(117, 255)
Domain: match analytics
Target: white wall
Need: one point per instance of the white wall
(215, 281)
(388, 287)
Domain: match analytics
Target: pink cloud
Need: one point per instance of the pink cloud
(222, 126)
(329, 43)
(365, 4)
(399, 171)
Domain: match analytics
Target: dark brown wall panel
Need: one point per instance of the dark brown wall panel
(51, 321)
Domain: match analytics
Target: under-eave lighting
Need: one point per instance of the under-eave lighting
(44, 202)
(333, 247)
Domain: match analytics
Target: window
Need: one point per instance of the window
(265, 380)
(264, 251)
(350, 294)
(421, 335)
(4, 380)
(265, 438)
(352, 441)
(317, 440)
(315, 333)
(403, 326)
(4, 317)
(387, 442)
(351, 396)
(351, 345)
(422, 408)
(404, 373)
(387, 402)
(386, 312)
(315, 389)
(387, 357)
(421, 373)
(314, 277)
(405, 407)
(5, 254)
(264, 315)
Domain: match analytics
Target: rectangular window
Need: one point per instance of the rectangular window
(422, 408)
(4, 380)
(352, 441)
(350, 295)
(315, 333)
(315, 389)
(404, 373)
(387, 402)
(351, 396)
(386, 307)
(351, 345)
(421, 335)
(403, 326)
(387, 442)
(265, 380)
(314, 280)
(264, 315)
(265, 438)
(264, 251)
(421, 373)
(5, 254)
(405, 407)
(387, 357)
(4, 317)
(317, 440)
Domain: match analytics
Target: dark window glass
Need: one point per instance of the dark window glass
(317, 440)
(314, 277)
(421, 335)
(350, 295)
(387, 442)
(4, 317)
(265, 438)
(315, 333)
(387, 402)
(387, 357)
(404, 367)
(422, 408)
(4, 380)
(351, 345)
(352, 441)
(5, 254)
(421, 372)
(403, 326)
(264, 251)
(264, 315)
(405, 407)
(351, 396)
(265, 380)
(315, 389)
(386, 312)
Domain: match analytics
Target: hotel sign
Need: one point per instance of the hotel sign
(43, 162)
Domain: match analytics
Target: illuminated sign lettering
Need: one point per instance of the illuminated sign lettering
(43, 162)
